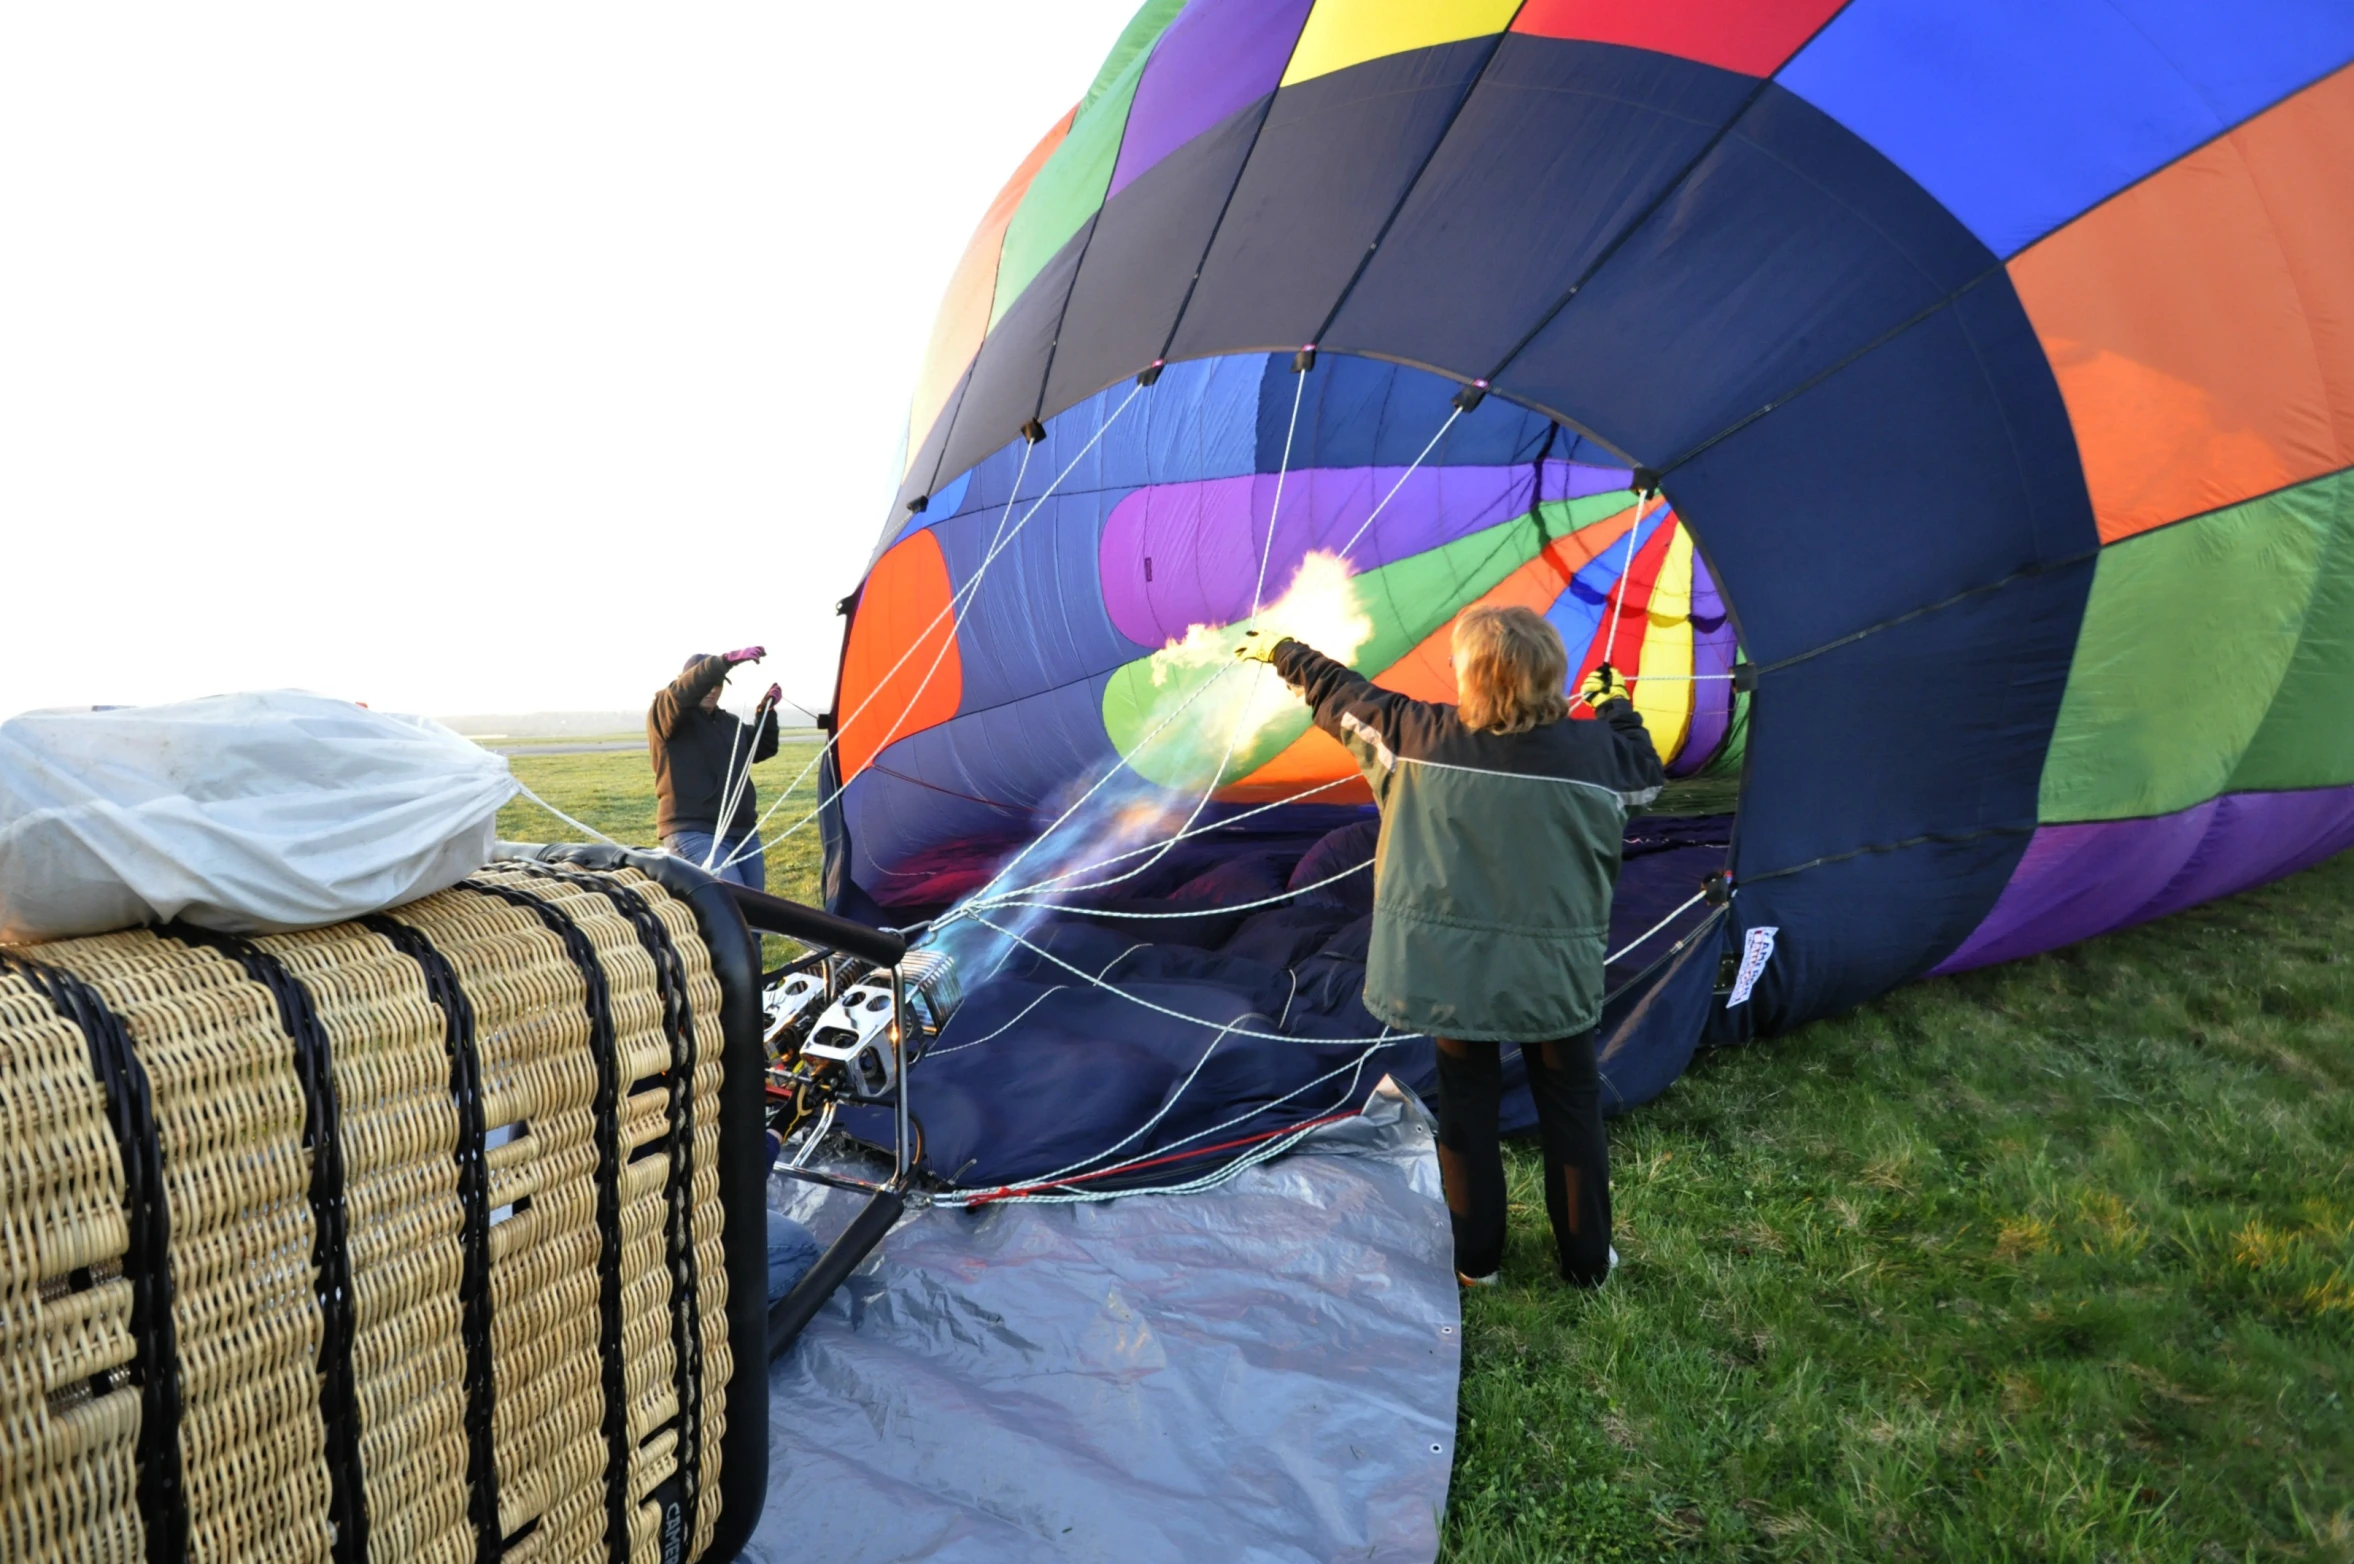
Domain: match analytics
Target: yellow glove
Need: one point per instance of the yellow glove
(1602, 685)
(1256, 648)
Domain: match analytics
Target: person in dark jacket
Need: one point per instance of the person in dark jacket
(701, 755)
(1501, 826)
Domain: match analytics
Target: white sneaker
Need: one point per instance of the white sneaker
(1614, 1257)
(1488, 1280)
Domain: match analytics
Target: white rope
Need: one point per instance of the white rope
(957, 605)
(1234, 740)
(1275, 510)
(736, 791)
(1182, 836)
(1654, 929)
(1375, 513)
(1210, 1180)
(1148, 1125)
(1059, 988)
(1618, 601)
(968, 598)
(1179, 1015)
(727, 787)
(577, 825)
(1193, 912)
(1118, 766)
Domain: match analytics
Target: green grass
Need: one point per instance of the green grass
(2054, 1260)
(614, 792)
(2051, 1261)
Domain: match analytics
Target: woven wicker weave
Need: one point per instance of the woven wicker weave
(595, 1220)
(67, 1414)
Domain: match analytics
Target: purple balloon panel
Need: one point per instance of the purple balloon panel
(1217, 57)
(2077, 881)
(1181, 554)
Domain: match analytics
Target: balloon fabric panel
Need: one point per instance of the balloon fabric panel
(2192, 633)
(901, 671)
(1714, 648)
(1331, 161)
(1750, 36)
(966, 313)
(1067, 191)
(2306, 739)
(2078, 881)
(1217, 59)
(1609, 129)
(1788, 249)
(2020, 114)
(1665, 697)
(1342, 33)
(1140, 265)
(2202, 322)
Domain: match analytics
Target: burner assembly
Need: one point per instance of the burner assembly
(833, 1037)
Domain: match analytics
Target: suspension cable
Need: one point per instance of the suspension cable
(1375, 513)
(1163, 1153)
(1190, 912)
(955, 604)
(577, 825)
(1178, 1015)
(1182, 836)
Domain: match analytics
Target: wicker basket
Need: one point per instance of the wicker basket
(400, 1239)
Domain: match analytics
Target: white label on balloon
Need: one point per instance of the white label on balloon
(1756, 951)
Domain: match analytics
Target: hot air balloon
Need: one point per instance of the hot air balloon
(1993, 365)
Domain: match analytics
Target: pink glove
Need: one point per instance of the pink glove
(776, 693)
(747, 654)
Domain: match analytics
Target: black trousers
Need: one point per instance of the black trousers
(1562, 1077)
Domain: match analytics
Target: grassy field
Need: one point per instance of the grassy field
(2052, 1261)
(615, 793)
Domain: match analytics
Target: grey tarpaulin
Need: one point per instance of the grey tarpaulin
(1264, 1371)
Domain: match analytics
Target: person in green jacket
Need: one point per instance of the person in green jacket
(1501, 825)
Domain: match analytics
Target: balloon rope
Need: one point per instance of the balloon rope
(1178, 1015)
(1072, 1175)
(577, 825)
(1242, 714)
(1051, 881)
(958, 604)
(1275, 511)
(1618, 600)
(1098, 786)
(1401, 483)
(736, 784)
(727, 790)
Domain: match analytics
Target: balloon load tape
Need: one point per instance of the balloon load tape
(287, 1193)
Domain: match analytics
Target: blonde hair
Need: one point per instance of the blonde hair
(1513, 670)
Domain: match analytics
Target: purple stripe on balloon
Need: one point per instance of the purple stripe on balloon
(2077, 881)
(1217, 57)
(1181, 554)
(1712, 653)
(1577, 480)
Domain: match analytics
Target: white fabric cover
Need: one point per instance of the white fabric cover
(252, 813)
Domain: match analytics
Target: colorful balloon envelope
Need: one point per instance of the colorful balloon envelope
(1994, 361)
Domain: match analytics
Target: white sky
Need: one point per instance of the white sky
(475, 358)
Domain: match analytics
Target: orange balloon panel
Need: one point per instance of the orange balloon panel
(1315, 756)
(905, 602)
(2201, 323)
